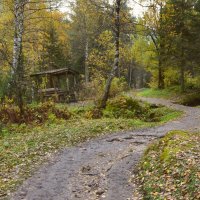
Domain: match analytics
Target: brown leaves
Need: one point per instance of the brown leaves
(9, 113)
(176, 177)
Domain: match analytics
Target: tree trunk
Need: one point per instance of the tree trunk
(17, 71)
(86, 61)
(182, 71)
(130, 73)
(134, 76)
(141, 79)
(182, 79)
(161, 83)
(116, 60)
(192, 70)
(182, 61)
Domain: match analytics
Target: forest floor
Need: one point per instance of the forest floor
(102, 168)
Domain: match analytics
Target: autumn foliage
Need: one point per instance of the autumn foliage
(9, 113)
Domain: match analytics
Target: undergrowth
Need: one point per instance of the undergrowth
(39, 113)
(170, 168)
(192, 99)
(129, 108)
(25, 146)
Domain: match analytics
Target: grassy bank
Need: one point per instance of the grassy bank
(189, 98)
(167, 93)
(24, 147)
(170, 168)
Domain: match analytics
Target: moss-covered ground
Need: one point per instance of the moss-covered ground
(170, 168)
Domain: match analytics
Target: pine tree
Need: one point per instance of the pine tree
(53, 57)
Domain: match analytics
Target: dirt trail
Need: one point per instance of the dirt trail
(101, 168)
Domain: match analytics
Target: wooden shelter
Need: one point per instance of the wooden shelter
(59, 84)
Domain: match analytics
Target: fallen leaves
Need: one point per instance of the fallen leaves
(24, 147)
(176, 174)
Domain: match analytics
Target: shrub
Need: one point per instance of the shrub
(40, 113)
(191, 100)
(94, 90)
(94, 113)
(118, 86)
(193, 83)
(127, 107)
(124, 107)
(153, 115)
(90, 90)
(171, 77)
(9, 113)
(4, 85)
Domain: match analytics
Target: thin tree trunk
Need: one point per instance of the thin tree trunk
(141, 78)
(134, 77)
(17, 71)
(161, 83)
(86, 61)
(159, 49)
(182, 62)
(182, 79)
(130, 76)
(182, 72)
(116, 60)
(192, 70)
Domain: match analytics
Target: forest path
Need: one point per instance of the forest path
(101, 168)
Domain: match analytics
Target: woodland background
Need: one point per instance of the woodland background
(118, 56)
(159, 49)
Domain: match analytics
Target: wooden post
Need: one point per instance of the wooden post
(50, 81)
(74, 81)
(67, 81)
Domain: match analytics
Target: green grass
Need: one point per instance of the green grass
(24, 147)
(168, 116)
(157, 93)
(189, 98)
(170, 167)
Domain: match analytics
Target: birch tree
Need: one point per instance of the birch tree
(17, 64)
(117, 11)
(115, 66)
(17, 70)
